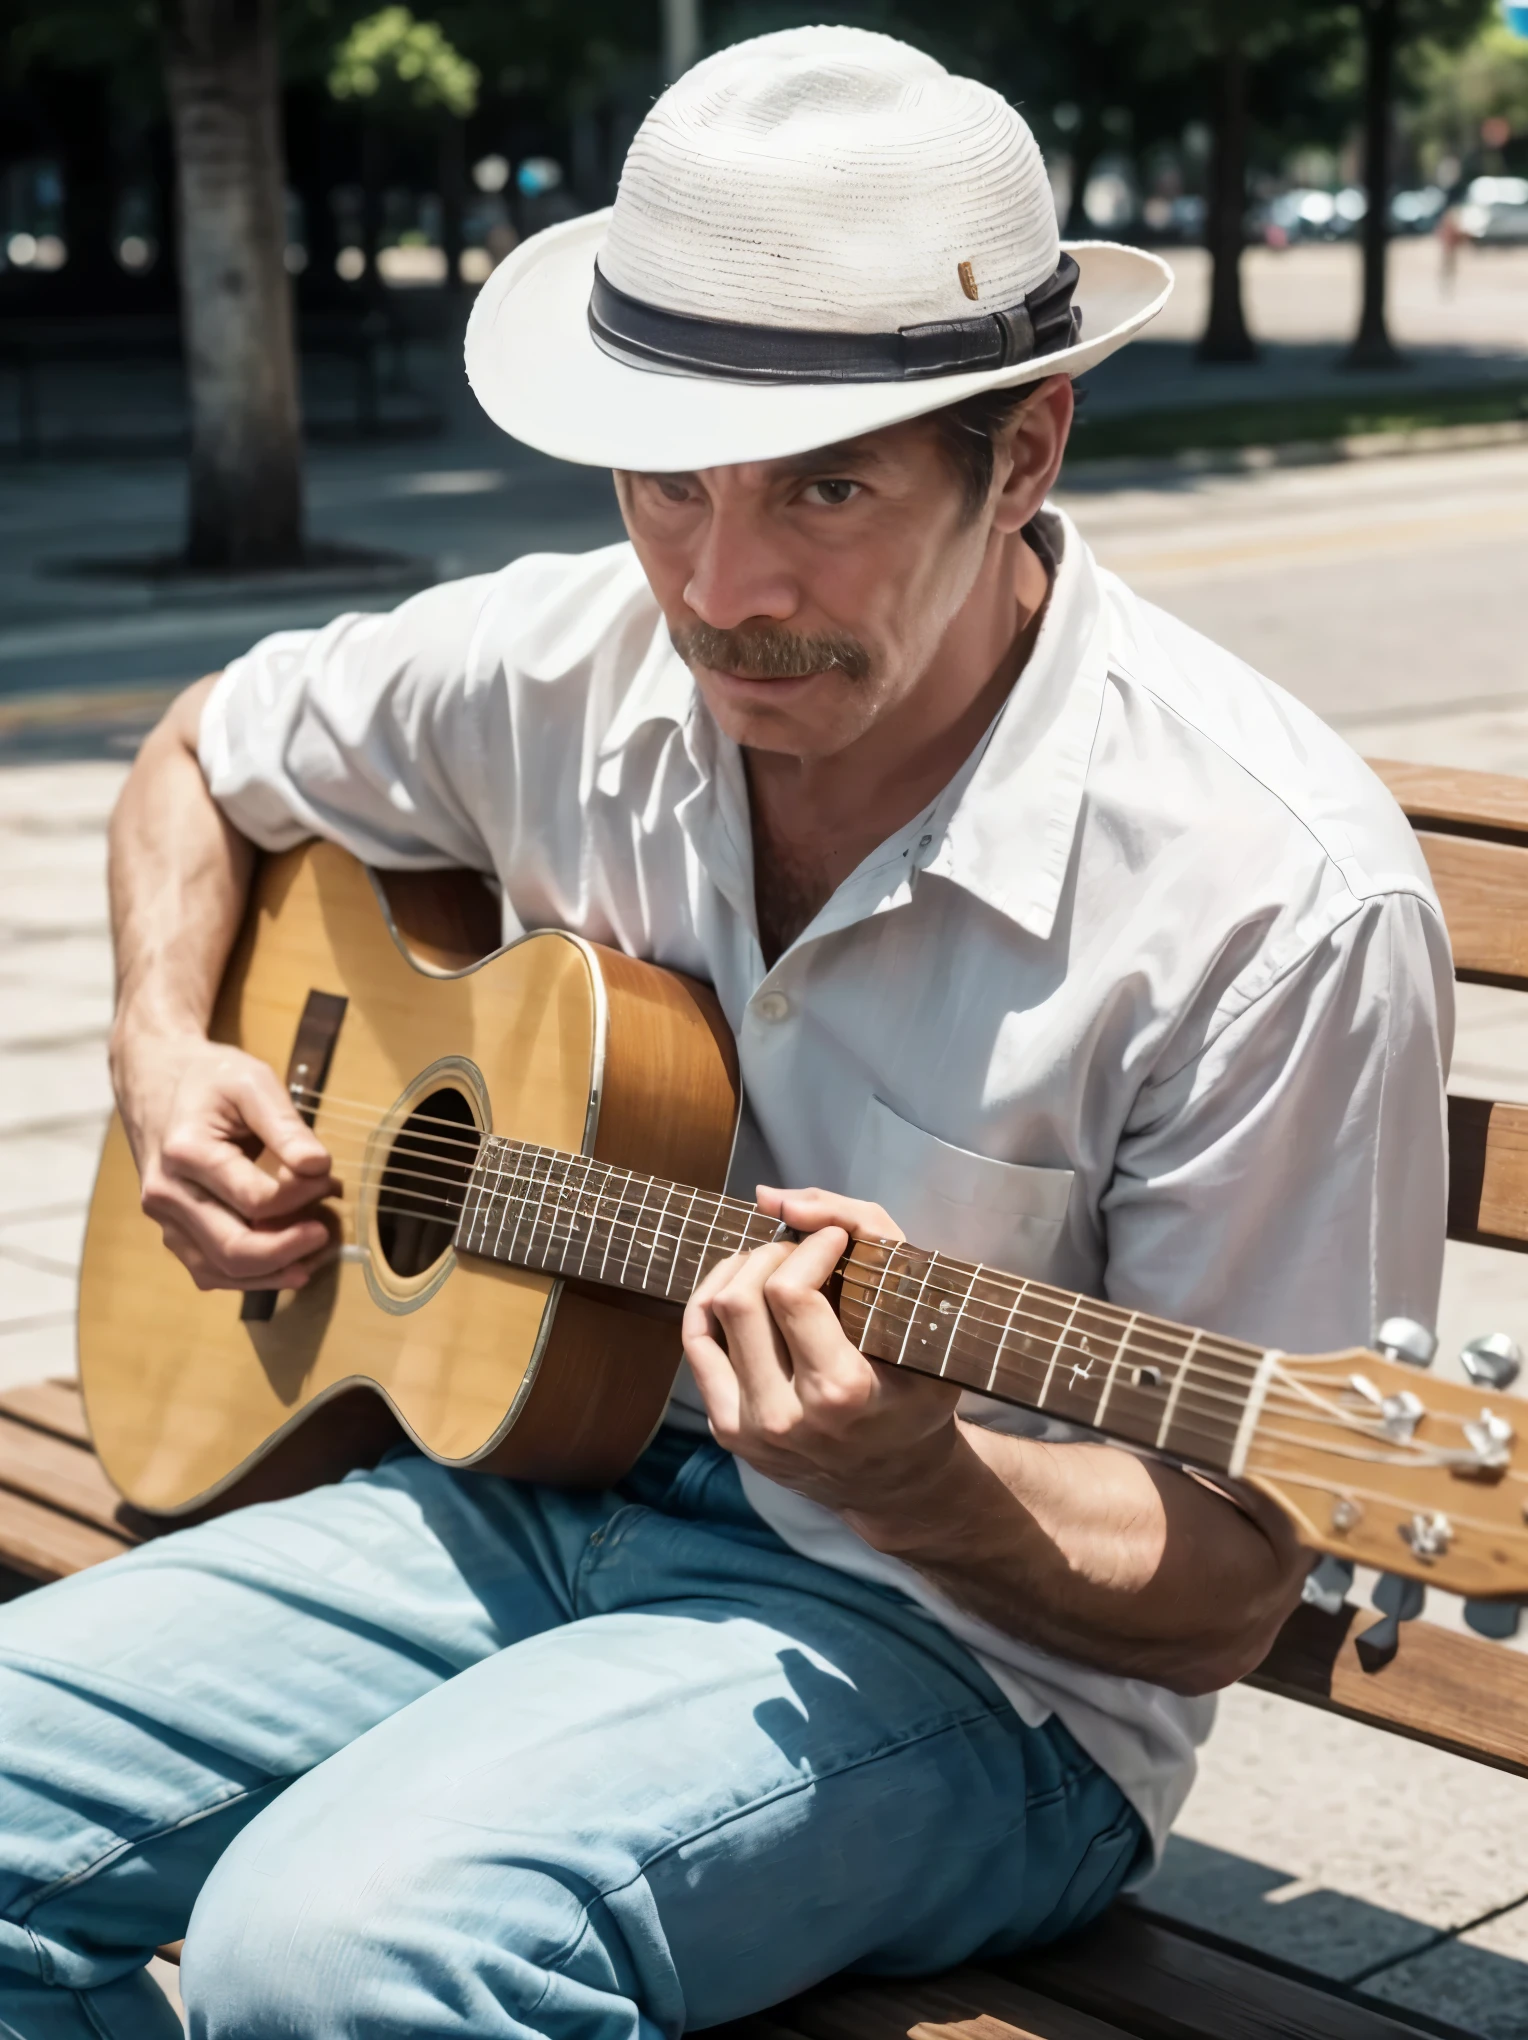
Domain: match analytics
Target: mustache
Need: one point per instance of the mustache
(768, 651)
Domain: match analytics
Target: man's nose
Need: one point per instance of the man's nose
(736, 574)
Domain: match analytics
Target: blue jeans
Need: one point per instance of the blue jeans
(430, 1753)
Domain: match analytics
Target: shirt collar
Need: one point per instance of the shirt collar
(662, 690)
(1004, 826)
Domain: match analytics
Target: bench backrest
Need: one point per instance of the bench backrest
(1473, 829)
(1457, 1692)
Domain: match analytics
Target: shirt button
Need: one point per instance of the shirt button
(772, 1005)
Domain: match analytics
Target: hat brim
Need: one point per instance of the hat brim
(537, 372)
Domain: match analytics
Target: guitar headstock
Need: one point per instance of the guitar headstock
(1377, 1463)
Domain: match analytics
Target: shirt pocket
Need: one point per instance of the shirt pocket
(1008, 1214)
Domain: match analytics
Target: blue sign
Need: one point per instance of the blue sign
(1516, 12)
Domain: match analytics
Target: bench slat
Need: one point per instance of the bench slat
(966, 2004)
(53, 1406)
(1488, 1173)
(1458, 1693)
(1482, 801)
(1160, 1984)
(46, 1545)
(47, 1470)
(1483, 891)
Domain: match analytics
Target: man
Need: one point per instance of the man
(1046, 928)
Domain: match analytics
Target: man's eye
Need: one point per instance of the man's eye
(832, 493)
(671, 489)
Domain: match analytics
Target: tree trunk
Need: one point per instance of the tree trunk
(371, 208)
(236, 309)
(1087, 147)
(1225, 335)
(453, 196)
(1373, 347)
(91, 281)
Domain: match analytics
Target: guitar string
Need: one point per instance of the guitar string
(1191, 1419)
(616, 1225)
(501, 1183)
(451, 1209)
(476, 1142)
(1297, 1477)
(1405, 1452)
(497, 1187)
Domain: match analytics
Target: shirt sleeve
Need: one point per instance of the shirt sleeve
(372, 732)
(1287, 1183)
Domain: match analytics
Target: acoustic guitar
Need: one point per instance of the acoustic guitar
(533, 1144)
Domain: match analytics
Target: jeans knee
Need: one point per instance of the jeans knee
(383, 1944)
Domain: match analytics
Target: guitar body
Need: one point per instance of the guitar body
(195, 1405)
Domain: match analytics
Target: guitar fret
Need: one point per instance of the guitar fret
(569, 1214)
(562, 1219)
(520, 1214)
(917, 1305)
(594, 1216)
(955, 1328)
(1119, 1353)
(684, 1223)
(556, 1175)
(586, 1206)
(658, 1236)
(1002, 1337)
(1170, 1410)
(504, 1214)
(1055, 1353)
(875, 1301)
(610, 1233)
(701, 1270)
(631, 1237)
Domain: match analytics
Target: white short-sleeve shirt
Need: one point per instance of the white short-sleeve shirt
(1154, 1000)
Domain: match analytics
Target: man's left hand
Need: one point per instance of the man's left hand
(785, 1389)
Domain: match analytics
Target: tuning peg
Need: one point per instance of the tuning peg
(1492, 1362)
(1402, 1338)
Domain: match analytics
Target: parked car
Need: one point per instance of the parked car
(1418, 212)
(1494, 209)
(1309, 214)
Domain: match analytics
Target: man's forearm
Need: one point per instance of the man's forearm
(179, 876)
(1096, 1555)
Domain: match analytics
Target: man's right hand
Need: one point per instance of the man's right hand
(229, 1168)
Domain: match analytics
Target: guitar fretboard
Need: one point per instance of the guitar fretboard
(1138, 1377)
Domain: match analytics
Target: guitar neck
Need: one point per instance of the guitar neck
(1137, 1378)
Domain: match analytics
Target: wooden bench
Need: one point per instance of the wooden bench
(1132, 1974)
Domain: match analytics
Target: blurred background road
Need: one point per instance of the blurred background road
(1350, 519)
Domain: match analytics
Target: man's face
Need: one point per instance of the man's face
(809, 595)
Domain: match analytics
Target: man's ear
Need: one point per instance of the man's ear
(1029, 452)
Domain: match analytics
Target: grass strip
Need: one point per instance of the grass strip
(1214, 428)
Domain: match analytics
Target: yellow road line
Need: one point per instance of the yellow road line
(1412, 534)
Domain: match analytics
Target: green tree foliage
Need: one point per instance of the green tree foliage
(1455, 90)
(392, 58)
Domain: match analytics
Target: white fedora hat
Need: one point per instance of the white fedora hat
(817, 233)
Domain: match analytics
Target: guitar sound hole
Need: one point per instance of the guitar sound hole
(420, 1196)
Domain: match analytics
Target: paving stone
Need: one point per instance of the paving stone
(1478, 1981)
(43, 1172)
(67, 1087)
(1382, 1838)
(49, 1239)
(28, 1292)
(38, 1352)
